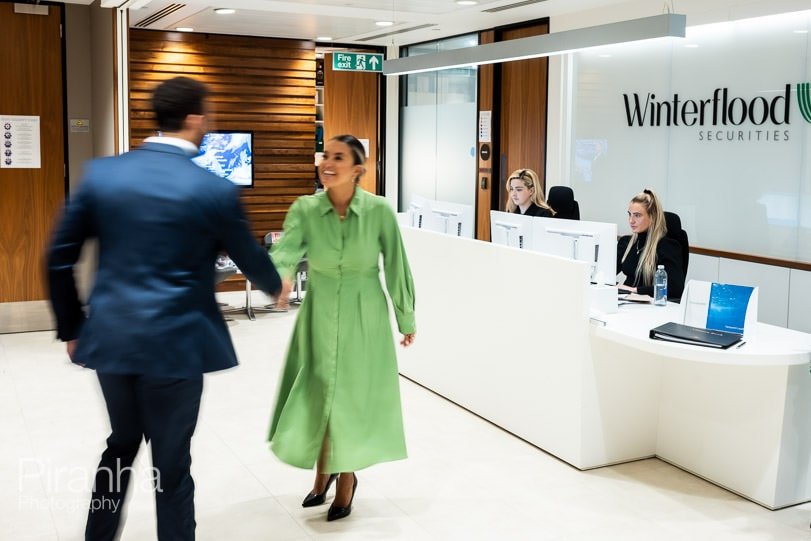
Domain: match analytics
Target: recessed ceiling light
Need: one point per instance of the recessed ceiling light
(225, 11)
(184, 29)
(604, 55)
(801, 31)
(384, 23)
(466, 2)
(692, 45)
(323, 38)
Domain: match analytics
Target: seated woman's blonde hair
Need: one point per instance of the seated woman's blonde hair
(532, 182)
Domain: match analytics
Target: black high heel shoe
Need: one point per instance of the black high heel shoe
(336, 513)
(312, 499)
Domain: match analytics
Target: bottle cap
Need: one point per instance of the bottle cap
(660, 266)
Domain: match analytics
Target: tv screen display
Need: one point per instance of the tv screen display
(229, 155)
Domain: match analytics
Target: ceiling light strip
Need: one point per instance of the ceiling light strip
(667, 25)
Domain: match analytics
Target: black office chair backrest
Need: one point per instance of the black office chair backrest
(561, 199)
(675, 232)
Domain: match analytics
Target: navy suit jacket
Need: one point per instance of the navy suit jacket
(160, 221)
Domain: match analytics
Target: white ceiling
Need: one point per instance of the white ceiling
(347, 21)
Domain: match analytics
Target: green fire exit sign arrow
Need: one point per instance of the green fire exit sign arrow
(357, 62)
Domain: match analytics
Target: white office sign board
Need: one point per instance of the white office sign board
(485, 123)
(717, 124)
(20, 142)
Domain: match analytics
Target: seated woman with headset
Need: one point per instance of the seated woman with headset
(526, 195)
(639, 254)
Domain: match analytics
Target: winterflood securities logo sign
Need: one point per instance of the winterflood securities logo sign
(723, 116)
(804, 100)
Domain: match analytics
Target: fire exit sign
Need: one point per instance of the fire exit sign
(357, 62)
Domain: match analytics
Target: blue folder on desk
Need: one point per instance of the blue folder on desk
(727, 307)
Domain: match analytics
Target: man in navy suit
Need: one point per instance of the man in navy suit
(152, 325)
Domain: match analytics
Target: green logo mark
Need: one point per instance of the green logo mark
(804, 100)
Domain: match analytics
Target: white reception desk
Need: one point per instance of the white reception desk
(508, 335)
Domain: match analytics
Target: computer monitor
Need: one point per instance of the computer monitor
(592, 242)
(511, 229)
(451, 218)
(418, 209)
(228, 154)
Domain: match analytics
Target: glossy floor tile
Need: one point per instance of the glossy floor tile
(465, 479)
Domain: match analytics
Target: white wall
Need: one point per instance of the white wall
(90, 93)
(103, 80)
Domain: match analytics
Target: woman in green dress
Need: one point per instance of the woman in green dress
(338, 405)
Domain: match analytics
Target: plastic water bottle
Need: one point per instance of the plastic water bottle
(660, 286)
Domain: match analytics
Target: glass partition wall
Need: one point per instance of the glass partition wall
(438, 129)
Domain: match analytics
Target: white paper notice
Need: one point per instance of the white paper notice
(485, 118)
(20, 142)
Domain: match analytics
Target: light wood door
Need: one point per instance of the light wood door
(351, 105)
(30, 199)
(523, 112)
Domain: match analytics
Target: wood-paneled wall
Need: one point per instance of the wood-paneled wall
(351, 105)
(264, 85)
(523, 112)
(30, 199)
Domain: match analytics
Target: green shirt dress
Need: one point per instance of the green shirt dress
(340, 378)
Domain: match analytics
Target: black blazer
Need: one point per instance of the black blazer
(668, 253)
(534, 210)
(160, 221)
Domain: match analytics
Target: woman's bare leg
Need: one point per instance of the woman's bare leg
(343, 493)
(321, 478)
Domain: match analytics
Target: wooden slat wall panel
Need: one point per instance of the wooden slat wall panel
(265, 85)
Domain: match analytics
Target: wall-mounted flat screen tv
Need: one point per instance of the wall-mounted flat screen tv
(228, 154)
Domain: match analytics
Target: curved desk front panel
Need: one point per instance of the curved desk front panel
(506, 334)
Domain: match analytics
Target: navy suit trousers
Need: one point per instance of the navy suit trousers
(164, 411)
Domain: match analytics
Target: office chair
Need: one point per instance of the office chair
(675, 232)
(223, 268)
(561, 199)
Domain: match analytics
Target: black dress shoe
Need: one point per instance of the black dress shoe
(312, 499)
(336, 513)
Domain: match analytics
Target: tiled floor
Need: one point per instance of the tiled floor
(465, 479)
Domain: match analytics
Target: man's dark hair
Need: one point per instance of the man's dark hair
(176, 98)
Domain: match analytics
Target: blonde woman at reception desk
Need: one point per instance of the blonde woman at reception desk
(526, 195)
(639, 253)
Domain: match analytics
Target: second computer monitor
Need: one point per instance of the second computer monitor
(592, 242)
(511, 229)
